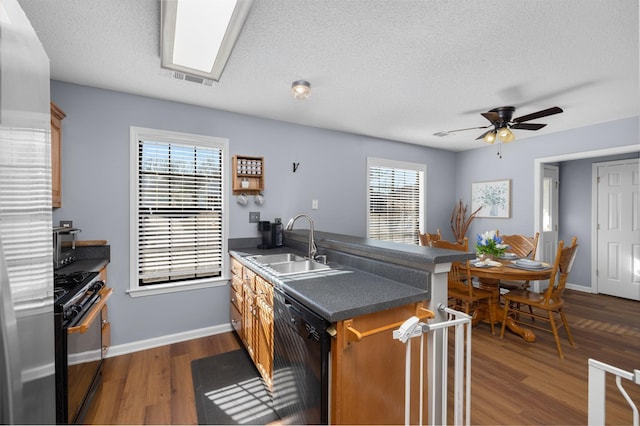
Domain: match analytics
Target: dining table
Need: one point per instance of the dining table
(490, 273)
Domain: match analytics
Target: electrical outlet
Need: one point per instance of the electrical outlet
(314, 204)
(254, 217)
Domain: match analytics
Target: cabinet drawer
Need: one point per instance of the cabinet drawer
(236, 298)
(249, 278)
(236, 283)
(264, 289)
(236, 267)
(236, 320)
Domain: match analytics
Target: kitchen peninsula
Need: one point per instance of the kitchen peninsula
(369, 285)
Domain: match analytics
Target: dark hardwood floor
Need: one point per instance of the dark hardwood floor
(513, 382)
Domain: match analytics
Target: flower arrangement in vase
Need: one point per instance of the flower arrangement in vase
(489, 244)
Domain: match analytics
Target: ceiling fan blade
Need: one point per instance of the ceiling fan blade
(451, 132)
(491, 116)
(539, 114)
(527, 126)
(484, 134)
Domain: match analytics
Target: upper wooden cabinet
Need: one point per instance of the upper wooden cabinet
(57, 115)
(248, 174)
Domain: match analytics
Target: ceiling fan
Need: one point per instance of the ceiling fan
(502, 123)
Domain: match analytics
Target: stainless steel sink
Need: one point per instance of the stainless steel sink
(297, 267)
(268, 259)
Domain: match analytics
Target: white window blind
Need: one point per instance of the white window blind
(179, 223)
(395, 199)
(25, 214)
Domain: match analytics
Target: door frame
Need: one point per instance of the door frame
(538, 176)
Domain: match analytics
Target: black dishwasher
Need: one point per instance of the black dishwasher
(301, 362)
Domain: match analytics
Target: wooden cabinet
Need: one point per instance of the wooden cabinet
(264, 329)
(251, 313)
(106, 330)
(104, 319)
(247, 174)
(370, 373)
(57, 115)
(249, 319)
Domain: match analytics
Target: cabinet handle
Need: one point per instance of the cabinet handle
(354, 335)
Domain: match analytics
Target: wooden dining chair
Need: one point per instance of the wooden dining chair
(427, 237)
(545, 304)
(523, 247)
(461, 292)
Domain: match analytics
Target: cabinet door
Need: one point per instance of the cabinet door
(248, 319)
(370, 373)
(56, 145)
(106, 330)
(265, 340)
(236, 320)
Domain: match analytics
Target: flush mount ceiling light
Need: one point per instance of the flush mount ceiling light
(197, 36)
(301, 89)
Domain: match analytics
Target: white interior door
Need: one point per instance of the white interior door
(618, 228)
(549, 235)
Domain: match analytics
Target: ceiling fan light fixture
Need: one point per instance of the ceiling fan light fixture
(506, 135)
(301, 89)
(490, 137)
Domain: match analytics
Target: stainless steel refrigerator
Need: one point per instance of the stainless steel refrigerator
(27, 363)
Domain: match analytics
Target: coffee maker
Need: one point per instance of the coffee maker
(271, 234)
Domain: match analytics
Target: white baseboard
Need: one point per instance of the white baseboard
(536, 287)
(579, 288)
(155, 342)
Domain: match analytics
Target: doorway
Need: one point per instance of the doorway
(539, 164)
(550, 186)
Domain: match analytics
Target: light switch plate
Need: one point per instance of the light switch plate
(254, 217)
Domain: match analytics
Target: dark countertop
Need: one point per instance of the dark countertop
(89, 259)
(339, 293)
(346, 291)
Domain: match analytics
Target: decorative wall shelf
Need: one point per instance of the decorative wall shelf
(247, 174)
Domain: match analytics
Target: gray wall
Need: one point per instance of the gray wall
(95, 188)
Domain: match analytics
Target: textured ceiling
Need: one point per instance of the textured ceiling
(393, 69)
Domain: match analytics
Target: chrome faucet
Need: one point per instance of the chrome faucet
(313, 250)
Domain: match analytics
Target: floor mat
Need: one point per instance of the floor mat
(229, 391)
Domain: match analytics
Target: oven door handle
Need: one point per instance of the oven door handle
(105, 293)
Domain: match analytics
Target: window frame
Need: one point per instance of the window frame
(137, 134)
(402, 165)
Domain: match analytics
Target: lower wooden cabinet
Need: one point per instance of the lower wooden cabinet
(106, 330)
(367, 376)
(370, 373)
(251, 313)
(104, 318)
(264, 329)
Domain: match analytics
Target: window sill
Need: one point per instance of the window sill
(153, 290)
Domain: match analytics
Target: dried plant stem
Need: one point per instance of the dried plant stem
(459, 222)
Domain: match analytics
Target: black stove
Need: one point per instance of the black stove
(74, 294)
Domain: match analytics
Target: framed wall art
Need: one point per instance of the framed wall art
(494, 197)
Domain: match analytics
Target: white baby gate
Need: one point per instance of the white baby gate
(437, 336)
(597, 390)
